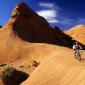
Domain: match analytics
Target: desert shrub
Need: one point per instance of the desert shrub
(11, 76)
(7, 72)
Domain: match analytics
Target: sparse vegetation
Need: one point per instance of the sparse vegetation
(35, 63)
(7, 72)
(25, 66)
(11, 76)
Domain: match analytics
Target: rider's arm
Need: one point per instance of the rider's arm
(80, 47)
(74, 47)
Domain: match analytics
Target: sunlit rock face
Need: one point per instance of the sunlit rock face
(78, 33)
(24, 27)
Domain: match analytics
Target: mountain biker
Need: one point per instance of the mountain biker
(76, 48)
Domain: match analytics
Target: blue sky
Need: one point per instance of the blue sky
(62, 13)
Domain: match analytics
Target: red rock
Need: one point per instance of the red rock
(25, 26)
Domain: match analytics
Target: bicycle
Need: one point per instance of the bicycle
(77, 54)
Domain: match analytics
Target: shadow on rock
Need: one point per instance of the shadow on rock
(12, 76)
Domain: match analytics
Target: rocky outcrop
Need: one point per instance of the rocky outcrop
(24, 29)
(31, 27)
(11, 76)
(78, 33)
(28, 37)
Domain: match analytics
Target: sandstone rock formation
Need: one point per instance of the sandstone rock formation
(25, 27)
(27, 41)
(78, 33)
(33, 28)
(60, 68)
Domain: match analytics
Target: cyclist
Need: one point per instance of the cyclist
(76, 48)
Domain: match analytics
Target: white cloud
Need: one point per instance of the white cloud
(46, 5)
(53, 20)
(49, 5)
(49, 12)
(49, 15)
